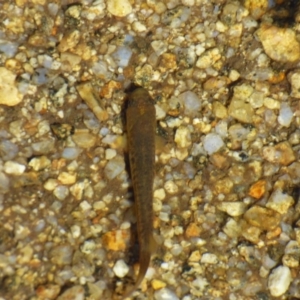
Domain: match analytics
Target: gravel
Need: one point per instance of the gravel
(225, 79)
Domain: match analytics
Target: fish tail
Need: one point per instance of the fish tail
(144, 261)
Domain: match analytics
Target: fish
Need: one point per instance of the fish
(141, 128)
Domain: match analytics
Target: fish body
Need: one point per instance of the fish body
(141, 126)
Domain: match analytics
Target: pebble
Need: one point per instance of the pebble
(219, 110)
(294, 79)
(209, 258)
(183, 137)
(84, 139)
(280, 202)
(115, 240)
(61, 192)
(279, 281)
(170, 187)
(122, 56)
(43, 147)
(75, 293)
(66, 178)
(212, 143)
(258, 189)
(39, 163)
(157, 284)
(70, 153)
(119, 8)
(14, 168)
(285, 115)
(86, 92)
(264, 218)
(110, 153)
(241, 110)
(208, 58)
(114, 167)
(281, 153)
(49, 291)
(280, 44)
(193, 230)
(9, 94)
(120, 268)
(234, 209)
(191, 103)
(69, 40)
(8, 149)
(61, 255)
(165, 294)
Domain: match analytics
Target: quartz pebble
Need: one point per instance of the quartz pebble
(191, 102)
(279, 281)
(120, 268)
(14, 168)
(285, 115)
(165, 294)
(209, 258)
(212, 143)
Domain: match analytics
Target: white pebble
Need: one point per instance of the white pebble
(212, 143)
(191, 102)
(110, 153)
(285, 115)
(122, 56)
(120, 268)
(165, 294)
(209, 258)
(14, 168)
(279, 281)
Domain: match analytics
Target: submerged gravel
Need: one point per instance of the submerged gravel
(225, 77)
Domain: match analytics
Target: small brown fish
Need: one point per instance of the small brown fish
(141, 124)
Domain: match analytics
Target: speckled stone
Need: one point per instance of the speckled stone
(280, 44)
